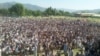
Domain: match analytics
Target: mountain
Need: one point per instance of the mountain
(78, 11)
(88, 11)
(69, 10)
(28, 6)
(6, 5)
(96, 11)
(35, 7)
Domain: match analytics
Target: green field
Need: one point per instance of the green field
(95, 20)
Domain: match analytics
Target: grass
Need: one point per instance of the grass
(62, 54)
(75, 51)
(94, 20)
(91, 19)
(97, 20)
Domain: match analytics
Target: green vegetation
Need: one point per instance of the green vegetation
(19, 10)
(68, 18)
(4, 12)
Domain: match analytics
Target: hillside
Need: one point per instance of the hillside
(28, 6)
(35, 7)
(31, 7)
(88, 11)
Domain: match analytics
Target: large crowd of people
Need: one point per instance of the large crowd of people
(27, 36)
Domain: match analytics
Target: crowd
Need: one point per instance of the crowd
(27, 36)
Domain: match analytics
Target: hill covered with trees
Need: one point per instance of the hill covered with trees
(19, 9)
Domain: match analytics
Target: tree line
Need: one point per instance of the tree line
(19, 10)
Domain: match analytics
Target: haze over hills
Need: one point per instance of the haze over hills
(35, 7)
(89, 11)
(28, 6)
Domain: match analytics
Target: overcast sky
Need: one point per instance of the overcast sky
(67, 4)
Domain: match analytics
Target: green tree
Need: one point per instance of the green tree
(48, 11)
(17, 9)
(28, 12)
(37, 13)
(4, 12)
(67, 14)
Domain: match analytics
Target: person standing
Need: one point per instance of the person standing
(65, 47)
(36, 41)
(70, 52)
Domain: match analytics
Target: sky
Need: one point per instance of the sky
(66, 4)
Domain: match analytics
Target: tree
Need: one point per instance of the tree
(4, 12)
(67, 14)
(17, 9)
(28, 12)
(48, 11)
(37, 13)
